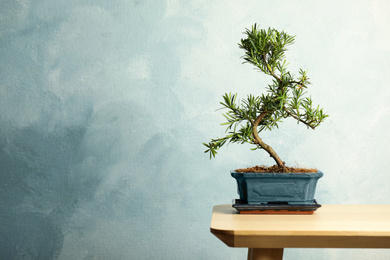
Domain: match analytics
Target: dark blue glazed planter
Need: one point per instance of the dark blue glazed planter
(263, 188)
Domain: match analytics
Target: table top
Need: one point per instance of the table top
(331, 226)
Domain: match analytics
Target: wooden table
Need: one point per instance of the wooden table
(331, 226)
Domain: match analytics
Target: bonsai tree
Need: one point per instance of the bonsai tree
(285, 97)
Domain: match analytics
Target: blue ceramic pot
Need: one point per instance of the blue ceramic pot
(263, 188)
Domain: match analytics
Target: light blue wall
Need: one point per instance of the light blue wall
(104, 106)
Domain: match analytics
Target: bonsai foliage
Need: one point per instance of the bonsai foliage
(285, 97)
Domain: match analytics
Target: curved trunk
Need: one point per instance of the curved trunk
(263, 145)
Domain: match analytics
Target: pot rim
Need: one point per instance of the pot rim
(317, 174)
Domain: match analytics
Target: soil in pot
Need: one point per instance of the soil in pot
(276, 169)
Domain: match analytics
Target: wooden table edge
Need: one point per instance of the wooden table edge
(297, 239)
(232, 239)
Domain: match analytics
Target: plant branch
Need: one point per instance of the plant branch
(299, 119)
(270, 70)
(263, 145)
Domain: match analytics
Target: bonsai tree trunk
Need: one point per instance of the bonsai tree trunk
(263, 145)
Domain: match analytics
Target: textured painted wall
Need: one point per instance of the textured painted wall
(104, 106)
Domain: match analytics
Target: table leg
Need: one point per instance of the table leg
(265, 253)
